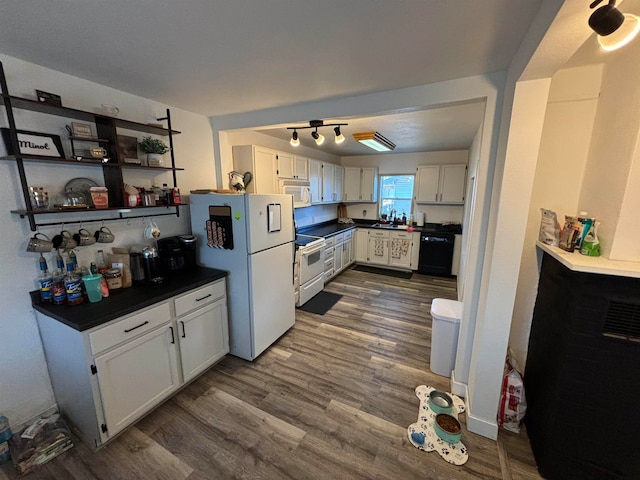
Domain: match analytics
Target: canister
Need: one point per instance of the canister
(113, 276)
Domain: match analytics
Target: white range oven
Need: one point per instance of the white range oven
(310, 267)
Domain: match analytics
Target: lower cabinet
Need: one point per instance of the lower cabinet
(107, 377)
(385, 248)
(339, 253)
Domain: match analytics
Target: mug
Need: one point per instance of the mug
(84, 237)
(37, 244)
(111, 110)
(151, 232)
(98, 152)
(104, 235)
(64, 240)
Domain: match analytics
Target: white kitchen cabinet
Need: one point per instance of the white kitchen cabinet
(338, 255)
(360, 184)
(338, 183)
(378, 250)
(329, 260)
(440, 184)
(292, 166)
(361, 246)
(261, 162)
(328, 174)
(347, 249)
(107, 377)
(400, 249)
(315, 181)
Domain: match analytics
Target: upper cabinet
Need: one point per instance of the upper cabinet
(292, 166)
(262, 163)
(338, 183)
(325, 182)
(360, 185)
(315, 181)
(441, 184)
(328, 173)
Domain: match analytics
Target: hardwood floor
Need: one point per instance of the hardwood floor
(332, 399)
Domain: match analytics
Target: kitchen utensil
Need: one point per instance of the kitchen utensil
(151, 265)
(39, 197)
(39, 243)
(104, 235)
(66, 200)
(84, 238)
(188, 245)
(151, 232)
(82, 186)
(98, 152)
(137, 267)
(64, 240)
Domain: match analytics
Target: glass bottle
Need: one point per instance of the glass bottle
(101, 262)
(45, 281)
(73, 286)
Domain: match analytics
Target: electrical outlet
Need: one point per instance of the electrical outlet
(364, 213)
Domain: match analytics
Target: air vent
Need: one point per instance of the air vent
(622, 321)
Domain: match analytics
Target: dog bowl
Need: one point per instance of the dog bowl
(440, 402)
(447, 428)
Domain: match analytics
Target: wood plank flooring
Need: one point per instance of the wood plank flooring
(332, 399)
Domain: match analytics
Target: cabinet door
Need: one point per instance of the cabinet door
(347, 253)
(338, 180)
(338, 257)
(351, 184)
(361, 252)
(400, 249)
(452, 180)
(286, 166)
(328, 173)
(427, 184)
(368, 187)
(378, 252)
(301, 167)
(204, 338)
(136, 376)
(315, 181)
(265, 165)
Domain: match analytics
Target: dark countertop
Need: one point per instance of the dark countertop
(88, 315)
(328, 229)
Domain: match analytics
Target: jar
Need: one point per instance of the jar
(113, 276)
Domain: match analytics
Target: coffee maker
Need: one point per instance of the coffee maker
(177, 254)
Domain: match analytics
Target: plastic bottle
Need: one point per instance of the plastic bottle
(45, 281)
(101, 262)
(73, 286)
(166, 195)
(59, 292)
(73, 260)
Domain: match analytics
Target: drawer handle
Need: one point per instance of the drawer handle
(184, 334)
(137, 326)
(173, 340)
(200, 299)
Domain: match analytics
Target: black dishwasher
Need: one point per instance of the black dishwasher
(436, 253)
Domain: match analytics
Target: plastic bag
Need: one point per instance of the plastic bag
(569, 233)
(549, 229)
(591, 244)
(513, 403)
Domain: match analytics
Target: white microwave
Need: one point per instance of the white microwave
(300, 191)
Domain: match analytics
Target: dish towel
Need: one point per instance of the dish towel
(378, 247)
(455, 453)
(399, 247)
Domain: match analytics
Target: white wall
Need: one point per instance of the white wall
(407, 163)
(25, 389)
(564, 147)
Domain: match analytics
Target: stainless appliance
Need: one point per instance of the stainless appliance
(188, 246)
(151, 265)
(436, 253)
(310, 252)
(251, 237)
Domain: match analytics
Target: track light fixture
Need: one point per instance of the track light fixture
(375, 140)
(294, 139)
(319, 138)
(614, 28)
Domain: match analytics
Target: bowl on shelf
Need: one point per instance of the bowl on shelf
(448, 428)
(440, 402)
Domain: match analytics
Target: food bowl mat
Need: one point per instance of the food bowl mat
(455, 453)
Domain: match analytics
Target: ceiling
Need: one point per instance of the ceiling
(217, 57)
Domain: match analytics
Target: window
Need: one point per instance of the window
(396, 195)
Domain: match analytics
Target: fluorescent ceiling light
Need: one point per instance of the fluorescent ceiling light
(375, 140)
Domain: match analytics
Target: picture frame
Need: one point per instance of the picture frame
(81, 130)
(128, 149)
(49, 98)
(34, 143)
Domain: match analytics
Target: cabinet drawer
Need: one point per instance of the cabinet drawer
(329, 242)
(129, 327)
(328, 265)
(347, 235)
(339, 238)
(407, 235)
(378, 234)
(200, 297)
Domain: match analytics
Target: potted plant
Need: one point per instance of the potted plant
(154, 148)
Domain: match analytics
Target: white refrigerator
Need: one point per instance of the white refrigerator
(251, 237)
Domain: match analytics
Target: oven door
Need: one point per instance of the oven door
(311, 261)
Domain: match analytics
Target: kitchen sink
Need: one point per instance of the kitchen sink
(390, 226)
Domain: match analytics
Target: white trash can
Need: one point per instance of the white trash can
(446, 315)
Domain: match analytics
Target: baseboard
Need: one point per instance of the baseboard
(458, 388)
(18, 427)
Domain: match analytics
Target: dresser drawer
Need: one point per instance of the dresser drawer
(198, 298)
(129, 327)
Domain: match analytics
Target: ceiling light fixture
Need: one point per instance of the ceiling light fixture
(375, 140)
(614, 28)
(319, 138)
(294, 139)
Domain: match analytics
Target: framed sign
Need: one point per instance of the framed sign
(49, 98)
(80, 129)
(34, 143)
(128, 149)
